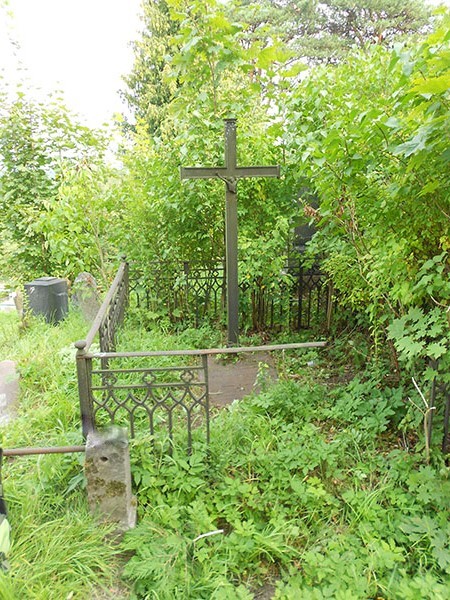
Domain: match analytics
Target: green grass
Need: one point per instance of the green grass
(320, 501)
(45, 360)
(58, 550)
(311, 484)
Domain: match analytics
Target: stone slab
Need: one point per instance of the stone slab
(85, 295)
(7, 303)
(229, 381)
(108, 475)
(9, 391)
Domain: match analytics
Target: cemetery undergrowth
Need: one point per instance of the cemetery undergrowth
(309, 490)
(329, 483)
(316, 487)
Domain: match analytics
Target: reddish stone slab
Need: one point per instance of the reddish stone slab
(9, 390)
(230, 381)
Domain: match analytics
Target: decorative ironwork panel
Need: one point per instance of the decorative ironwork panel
(151, 398)
(186, 293)
(114, 314)
(309, 296)
(293, 299)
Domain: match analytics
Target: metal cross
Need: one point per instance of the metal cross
(229, 174)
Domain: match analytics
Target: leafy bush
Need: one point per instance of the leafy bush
(41, 146)
(367, 136)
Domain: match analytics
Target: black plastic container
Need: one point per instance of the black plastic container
(47, 296)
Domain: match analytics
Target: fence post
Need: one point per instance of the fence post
(108, 476)
(205, 371)
(300, 297)
(329, 305)
(84, 370)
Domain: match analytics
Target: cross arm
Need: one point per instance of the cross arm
(257, 171)
(224, 172)
(203, 172)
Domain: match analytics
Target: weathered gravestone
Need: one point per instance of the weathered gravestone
(9, 391)
(6, 299)
(85, 295)
(108, 476)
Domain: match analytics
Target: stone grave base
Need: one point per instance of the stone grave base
(231, 380)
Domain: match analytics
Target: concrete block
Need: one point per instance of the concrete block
(108, 477)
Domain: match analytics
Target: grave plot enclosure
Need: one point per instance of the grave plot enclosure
(189, 294)
(151, 390)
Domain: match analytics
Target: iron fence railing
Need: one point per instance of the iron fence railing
(105, 326)
(294, 298)
(145, 390)
(182, 291)
(125, 388)
(111, 313)
(149, 397)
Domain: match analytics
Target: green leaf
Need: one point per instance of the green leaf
(269, 55)
(294, 70)
(418, 142)
(393, 123)
(397, 328)
(433, 85)
(409, 346)
(430, 187)
(436, 350)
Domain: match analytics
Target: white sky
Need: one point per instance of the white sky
(78, 46)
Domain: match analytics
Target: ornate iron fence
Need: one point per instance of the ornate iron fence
(181, 291)
(125, 388)
(106, 324)
(295, 298)
(116, 303)
(128, 390)
(145, 390)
